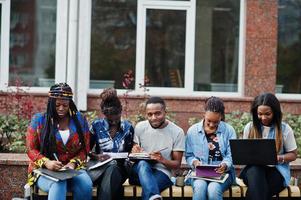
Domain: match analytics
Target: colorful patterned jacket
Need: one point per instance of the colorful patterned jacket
(71, 152)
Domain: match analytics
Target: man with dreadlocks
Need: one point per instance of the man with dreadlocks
(111, 134)
(59, 139)
(207, 142)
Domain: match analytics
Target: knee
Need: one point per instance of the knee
(199, 186)
(83, 182)
(114, 173)
(58, 186)
(214, 191)
(255, 173)
(254, 170)
(143, 166)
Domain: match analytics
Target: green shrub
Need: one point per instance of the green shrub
(12, 133)
(295, 122)
(238, 120)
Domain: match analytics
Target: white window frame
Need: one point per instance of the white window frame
(4, 48)
(187, 90)
(61, 46)
(189, 7)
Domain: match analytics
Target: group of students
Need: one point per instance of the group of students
(64, 132)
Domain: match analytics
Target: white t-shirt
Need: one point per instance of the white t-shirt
(150, 139)
(65, 135)
(289, 141)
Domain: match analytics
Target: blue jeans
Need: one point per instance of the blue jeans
(153, 181)
(209, 190)
(80, 186)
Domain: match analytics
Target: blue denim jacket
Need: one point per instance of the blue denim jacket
(197, 146)
(283, 168)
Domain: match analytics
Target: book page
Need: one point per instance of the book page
(119, 155)
(100, 163)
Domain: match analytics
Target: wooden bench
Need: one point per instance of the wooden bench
(175, 192)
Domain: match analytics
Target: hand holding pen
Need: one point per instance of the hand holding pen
(53, 165)
(137, 146)
(67, 166)
(156, 155)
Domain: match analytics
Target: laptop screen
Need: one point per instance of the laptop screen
(253, 151)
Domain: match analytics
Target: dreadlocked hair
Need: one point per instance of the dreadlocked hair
(48, 141)
(110, 103)
(267, 99)
(215, 104)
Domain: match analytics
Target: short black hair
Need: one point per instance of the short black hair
(156, 100)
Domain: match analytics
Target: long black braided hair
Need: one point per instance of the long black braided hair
(48, 141)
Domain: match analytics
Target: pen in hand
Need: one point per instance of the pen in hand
(56, 158)
(162, 149)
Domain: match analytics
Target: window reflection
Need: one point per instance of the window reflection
(32, 42)
(289, 47)
(113, 42)
(216, 45)
(165, 48)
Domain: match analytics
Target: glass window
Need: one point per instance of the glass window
(216, 45)
(0, 29)
(289, 47)
(113, 43)
(165, 48)
(32, 42)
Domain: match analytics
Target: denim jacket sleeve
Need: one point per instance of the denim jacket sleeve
(230, 134)
(189, 154)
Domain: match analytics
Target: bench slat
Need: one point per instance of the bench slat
(236, 191)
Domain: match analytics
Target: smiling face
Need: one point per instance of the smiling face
(211, 121)
(265, 115)
(155, 114)
(62, 107)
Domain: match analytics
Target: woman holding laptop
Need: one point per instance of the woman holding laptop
(265, 181)
(207, 142)
(112, 135)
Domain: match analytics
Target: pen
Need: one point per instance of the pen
(54, 154)
(162, 149)
(137, 140)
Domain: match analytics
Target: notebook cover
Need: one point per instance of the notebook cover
(60, 175)
(207, 171)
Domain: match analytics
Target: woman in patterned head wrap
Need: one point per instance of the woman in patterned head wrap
(56, 140)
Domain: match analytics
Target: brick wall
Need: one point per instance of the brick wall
(13, 173)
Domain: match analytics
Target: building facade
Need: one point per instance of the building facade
(182, 50)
